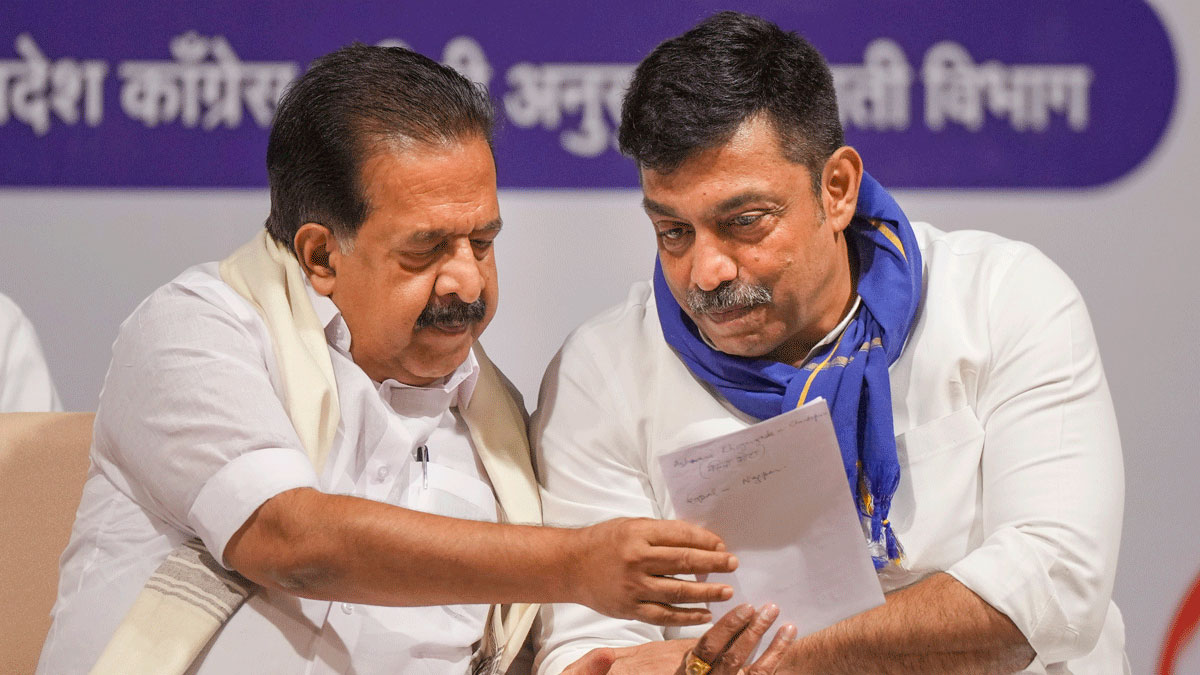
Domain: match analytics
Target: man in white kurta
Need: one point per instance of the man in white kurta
(1004, 425)
(25, 384)
(195, 361)
(972, 413)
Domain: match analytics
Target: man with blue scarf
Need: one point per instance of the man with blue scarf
(975, 424)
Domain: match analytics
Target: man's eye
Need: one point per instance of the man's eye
(482, 244)
(428, 252)
(674, 238)
(746, 219)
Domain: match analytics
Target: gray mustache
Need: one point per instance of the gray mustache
(452, 313)
(727, 296)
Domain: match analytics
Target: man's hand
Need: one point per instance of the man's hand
(652, 658)
(726, 647)
(624, 566)
(596, 662)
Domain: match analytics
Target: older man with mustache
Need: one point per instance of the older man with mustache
(303, 463)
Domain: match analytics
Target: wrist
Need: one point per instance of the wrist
(566, 551)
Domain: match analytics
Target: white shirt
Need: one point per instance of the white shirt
(25, 384)
(191, 437)
(1011, 472)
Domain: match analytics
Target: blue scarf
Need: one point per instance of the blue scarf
(851, 374)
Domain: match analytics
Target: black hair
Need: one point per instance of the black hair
(343, 109)
(694, 91)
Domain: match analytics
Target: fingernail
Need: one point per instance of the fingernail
(720, 546)
(744, 612)
(788, 633)
(733, 562)
(769, 612)
(727, 592)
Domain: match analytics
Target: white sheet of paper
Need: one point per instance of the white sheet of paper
(777, 494)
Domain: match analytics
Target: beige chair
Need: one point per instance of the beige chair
(43, 465)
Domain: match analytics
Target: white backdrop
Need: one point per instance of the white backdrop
(80, 261)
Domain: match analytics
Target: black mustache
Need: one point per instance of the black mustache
(453, 313)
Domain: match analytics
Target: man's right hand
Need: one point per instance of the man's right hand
(624, 570)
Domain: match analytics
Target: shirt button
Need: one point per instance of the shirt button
(382, 473)
(347, 608)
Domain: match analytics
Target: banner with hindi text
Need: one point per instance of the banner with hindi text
(1011, 93)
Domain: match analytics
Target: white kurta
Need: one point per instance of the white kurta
(191, 438)
(25, 384)
(1011, 471)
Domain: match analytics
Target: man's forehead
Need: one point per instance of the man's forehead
(428, 192)
(399, 165)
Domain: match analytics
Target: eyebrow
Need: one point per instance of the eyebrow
(722, 207)
(654, 207)
(427, 236)
(494, 226)
(737, 201)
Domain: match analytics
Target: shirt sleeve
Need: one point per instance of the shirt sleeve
(190, 424)
(1052, 474)
(585, 442)
(25, 384)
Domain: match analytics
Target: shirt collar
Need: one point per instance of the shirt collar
(459, 385)
(337, 333)
(837, 330)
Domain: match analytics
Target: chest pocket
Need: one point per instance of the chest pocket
(436, 488)
(446, 632)
(935, 508)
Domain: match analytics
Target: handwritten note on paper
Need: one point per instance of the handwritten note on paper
(777, 494)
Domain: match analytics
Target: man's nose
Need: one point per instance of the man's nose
(460, 275)
(712, 265)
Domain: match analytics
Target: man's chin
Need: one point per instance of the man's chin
(746, 347)
(439, 352)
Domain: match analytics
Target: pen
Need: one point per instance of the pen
(421, 454)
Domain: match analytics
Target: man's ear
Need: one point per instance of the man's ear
(839, 186)
(318, 252)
